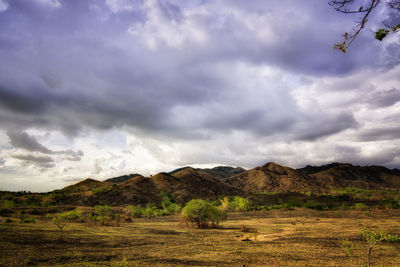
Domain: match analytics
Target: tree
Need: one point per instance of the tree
(372, 237)
(216, 215)
(201, 213)
(195, 211)
(61, 219)
(365, 8)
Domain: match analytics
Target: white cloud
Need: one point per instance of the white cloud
(3, 6)
(52, 3)
(122, 5)
(169, 26)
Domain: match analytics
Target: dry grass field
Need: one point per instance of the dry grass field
(299, 237)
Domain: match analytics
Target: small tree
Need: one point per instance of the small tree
(216, 215)
(61, 219)
(195, 211)
(373, 237)
(201, 212)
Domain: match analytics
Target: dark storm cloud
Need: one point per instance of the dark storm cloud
(85, 65)
(385, 133)
(35, 158)
(384, 98)
(43, 162)
(23, 141)
(327, 127)
(20, 103)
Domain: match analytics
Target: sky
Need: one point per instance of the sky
(102, 88)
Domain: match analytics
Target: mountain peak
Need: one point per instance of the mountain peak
(272, 165)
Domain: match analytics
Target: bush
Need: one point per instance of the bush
(135, 211)
(239, 204)
(360, 206)
(201, 213)
(8, 204)
(28, 220)
(170, 208)
(102, 210)
(314, 206)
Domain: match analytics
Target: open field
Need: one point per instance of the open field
(297, 237)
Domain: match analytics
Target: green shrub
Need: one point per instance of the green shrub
(102, 210)
(8, 204)
(360, 206)
(314, 206)
(152, 211)
(28, 220)
(393, 204)
(239, 204)
(135, 211)
(201, 213)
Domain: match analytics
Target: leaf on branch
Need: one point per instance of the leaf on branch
(381, 33)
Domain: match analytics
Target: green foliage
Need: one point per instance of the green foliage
(8, 204)
(373, 237)
(239, 204)
(360, 206)
(104, 214)
(171, 208)
(8, 196)
(393, 204)
(381, 33)
(347, 246)
(167, 208)
(195, 211)
(61, 219)
(216, 215)
(135, 211)
(200, 213)
(314, 206)
(32, 200)
(28, 220)
(102, 210)
(152, 211)
(103, 190)
(340, 47)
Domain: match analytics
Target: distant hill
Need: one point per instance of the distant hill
(199, 183)
(187, 183)
(314, 169)
(275, 178)
(122, 178)
(184, 185)
(339, 175)
(218, 172)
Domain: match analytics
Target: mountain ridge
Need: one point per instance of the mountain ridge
(186, 183)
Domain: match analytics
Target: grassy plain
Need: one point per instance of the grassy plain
(299, 237)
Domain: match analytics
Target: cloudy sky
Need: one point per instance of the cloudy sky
(100, 88)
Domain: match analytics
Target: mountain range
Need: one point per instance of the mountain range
(187, 183)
